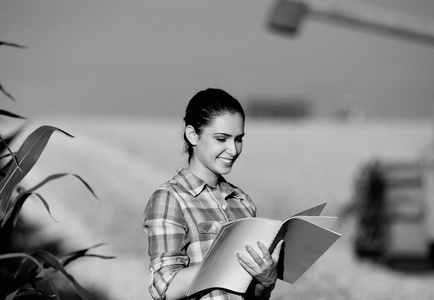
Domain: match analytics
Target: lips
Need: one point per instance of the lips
(226, 161)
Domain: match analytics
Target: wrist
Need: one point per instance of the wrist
(263, 291)
(268, 286)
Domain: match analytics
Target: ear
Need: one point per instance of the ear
(191, 135)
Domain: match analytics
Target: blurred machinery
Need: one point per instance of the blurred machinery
(294, 108)
(395, 202)
(287, 17)
(395, 199)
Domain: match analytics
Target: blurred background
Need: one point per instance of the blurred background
(147, 58)
(323, 105)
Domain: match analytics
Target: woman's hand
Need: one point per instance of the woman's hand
(262, 267)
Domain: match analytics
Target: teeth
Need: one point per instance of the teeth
(226, 161)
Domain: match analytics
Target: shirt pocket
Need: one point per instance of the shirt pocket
(209, 227)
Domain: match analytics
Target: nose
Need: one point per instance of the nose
(232, 148)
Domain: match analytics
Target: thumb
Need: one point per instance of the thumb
(276, 252)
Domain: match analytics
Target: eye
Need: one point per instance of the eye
(239, 140)
(221, 139)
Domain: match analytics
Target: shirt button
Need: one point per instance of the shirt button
(224, 206)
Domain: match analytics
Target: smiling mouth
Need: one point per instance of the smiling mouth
(227, 161)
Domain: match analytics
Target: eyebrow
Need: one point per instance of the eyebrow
(229, 135)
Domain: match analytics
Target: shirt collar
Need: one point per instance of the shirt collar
(226, 188)
(194, 185)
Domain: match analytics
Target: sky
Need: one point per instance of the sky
(149, 57)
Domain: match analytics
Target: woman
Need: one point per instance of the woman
(184, 215)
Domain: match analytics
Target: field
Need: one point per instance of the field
(285, 167)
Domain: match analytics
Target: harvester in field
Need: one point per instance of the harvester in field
(395, 209)
(395, 199)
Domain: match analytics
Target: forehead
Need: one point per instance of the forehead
(227, 123)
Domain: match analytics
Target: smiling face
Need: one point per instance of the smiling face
(217, 147)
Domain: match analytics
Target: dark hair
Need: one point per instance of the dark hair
(204, 107)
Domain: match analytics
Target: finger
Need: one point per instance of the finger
(256, 257)
(265, 253)
(245, 264)
(276, 251)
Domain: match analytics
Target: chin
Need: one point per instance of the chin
(224, 171)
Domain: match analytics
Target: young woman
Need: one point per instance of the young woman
(184, 214)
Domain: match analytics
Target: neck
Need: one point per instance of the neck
(209, 177)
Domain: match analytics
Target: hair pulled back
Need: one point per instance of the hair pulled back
(204, 107)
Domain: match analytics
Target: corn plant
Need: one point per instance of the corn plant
(21, 274)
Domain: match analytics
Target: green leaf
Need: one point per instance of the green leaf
(2, 43)
(7, 140)
(10, 219)
(57, 176)
(7, 155)
(54, 263)
(70, 257)
(11, 216)
(6, 93)
(27, 156)
(12, 295)
(34, 294)
(9, 114)
(10, 151)
(4, 168)
(21, 255)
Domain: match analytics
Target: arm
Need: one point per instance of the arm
(263, 269)
(166, 229)
(179, 285)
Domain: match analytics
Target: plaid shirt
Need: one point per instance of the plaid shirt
(182, 219)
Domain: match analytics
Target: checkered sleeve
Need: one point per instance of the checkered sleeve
(166, 228)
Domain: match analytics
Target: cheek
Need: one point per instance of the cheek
(211, 148)
(239, 148)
